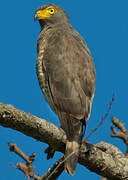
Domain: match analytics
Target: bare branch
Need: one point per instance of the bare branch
(102, 158)
(26, 169)
(54, 172)
(15, 149)
(122, 134)
(118, 124)
(33, 126)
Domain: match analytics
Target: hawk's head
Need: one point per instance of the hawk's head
(51, 14)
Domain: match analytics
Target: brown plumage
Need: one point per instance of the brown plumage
(66, 76)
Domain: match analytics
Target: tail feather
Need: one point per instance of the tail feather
(73, 128)
(71, 156)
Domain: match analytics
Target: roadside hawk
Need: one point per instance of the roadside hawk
(66, 75)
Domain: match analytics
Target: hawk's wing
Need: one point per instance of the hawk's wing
(70, 71)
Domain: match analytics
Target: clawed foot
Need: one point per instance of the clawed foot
(50, 151)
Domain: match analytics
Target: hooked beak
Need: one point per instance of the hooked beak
(36, 17)
(41, 14)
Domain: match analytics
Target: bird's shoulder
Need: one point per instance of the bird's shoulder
(62, 36)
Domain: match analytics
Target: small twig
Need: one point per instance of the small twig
(13, 166)
(61, 163)
(26, 169)
(118, 124)
(122, 134)
(22, 168)
(52, 174)
(102, 120)
(55, 171)
(15, 149)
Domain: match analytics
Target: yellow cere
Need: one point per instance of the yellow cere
(46, 13)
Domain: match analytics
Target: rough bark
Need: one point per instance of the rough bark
(102, 158)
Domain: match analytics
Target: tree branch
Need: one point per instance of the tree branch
(54, 172)
(26, 169)
(33, 126)
(102, 158)
(122, 134)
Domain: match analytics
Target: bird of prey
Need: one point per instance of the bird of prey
(66, 75)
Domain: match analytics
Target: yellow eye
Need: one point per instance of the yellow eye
(51, 11)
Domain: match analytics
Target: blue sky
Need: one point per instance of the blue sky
(104, 26)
